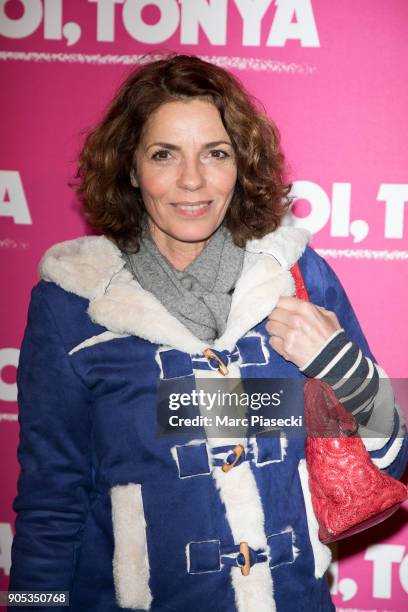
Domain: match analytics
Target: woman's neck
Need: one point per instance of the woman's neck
(180, 254)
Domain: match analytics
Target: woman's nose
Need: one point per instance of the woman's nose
(191, 175)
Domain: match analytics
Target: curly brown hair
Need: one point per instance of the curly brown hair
(114, 206)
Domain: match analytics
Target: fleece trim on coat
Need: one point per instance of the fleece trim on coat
(321, 552)
(93, 268)
(130, 558)
(243, 507)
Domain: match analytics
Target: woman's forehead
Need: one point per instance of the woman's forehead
(179, 119)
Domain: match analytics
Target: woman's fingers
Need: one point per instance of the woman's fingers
(277, 328)
(299, 329)
(289, 303)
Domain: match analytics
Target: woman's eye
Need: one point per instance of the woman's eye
(219, 154)
(162, 154)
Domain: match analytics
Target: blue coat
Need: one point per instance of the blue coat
(125, 519)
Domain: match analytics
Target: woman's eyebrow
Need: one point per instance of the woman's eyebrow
(173, 147)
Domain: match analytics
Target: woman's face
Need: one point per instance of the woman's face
(186, 172)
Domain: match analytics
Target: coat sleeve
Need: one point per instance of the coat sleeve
(54, 456)
(384, 434)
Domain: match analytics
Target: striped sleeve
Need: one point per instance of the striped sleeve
(353, 376)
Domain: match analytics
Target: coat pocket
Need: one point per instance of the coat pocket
(131, 569)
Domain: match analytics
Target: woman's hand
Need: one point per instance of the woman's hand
(300, 329)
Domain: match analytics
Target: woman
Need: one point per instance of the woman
(184, 178)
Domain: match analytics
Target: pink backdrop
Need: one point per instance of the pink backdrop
(333, 75)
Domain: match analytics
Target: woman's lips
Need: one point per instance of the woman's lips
(192, 210)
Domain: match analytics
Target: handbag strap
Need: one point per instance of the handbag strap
(300, 287)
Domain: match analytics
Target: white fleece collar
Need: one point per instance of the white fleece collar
(93, 268)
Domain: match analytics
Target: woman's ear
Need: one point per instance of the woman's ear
(133, 178)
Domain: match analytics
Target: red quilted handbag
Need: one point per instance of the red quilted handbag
(349, 493)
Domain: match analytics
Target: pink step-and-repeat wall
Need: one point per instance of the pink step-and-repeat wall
(333, 76)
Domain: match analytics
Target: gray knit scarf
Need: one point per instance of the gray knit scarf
(200, 295)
